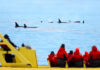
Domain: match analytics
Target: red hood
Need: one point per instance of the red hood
(86, 53)
(61, 49)
(77, 51)
(50, 56)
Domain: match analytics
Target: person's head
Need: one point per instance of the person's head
(71, 52)
(94, 48)
(6, 36)
(76, 51)
(52, 52)
(28, 47)
(63, 45)
(23, 45)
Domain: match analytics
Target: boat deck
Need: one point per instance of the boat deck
(45, 68)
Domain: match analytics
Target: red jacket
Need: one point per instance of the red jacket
(77, 56)
(52, 59)
(70, 56)
(4, 46)
(86, 57)
(94, 54)
(61, 52)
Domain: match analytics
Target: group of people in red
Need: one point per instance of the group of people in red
(74, 59)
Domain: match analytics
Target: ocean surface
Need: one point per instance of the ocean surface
(49, 36)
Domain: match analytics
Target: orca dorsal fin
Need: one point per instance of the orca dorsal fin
(83, 22)
(59, 21)
(16, 24)
(25, 26)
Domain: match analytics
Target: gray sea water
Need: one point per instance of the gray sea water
(49, 36)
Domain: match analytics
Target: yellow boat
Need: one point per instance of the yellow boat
(25, 59)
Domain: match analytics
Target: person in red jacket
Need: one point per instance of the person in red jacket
(52, 59)
(86, 58)
(70, 56)
(77, 58)
(94, 57)
(61, 56)
(69, 60)
(51, 56)
(94, 54)
(5, 47)
(6, 36)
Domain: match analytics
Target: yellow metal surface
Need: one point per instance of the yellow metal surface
(30, 55)
(19, 61)
(46, 68)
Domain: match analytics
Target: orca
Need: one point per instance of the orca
(51, 22)
(17, 25)
(77, 21)
(59, 21)
(41, 21)
(25, 26)
(83, 22)
(32, 27)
